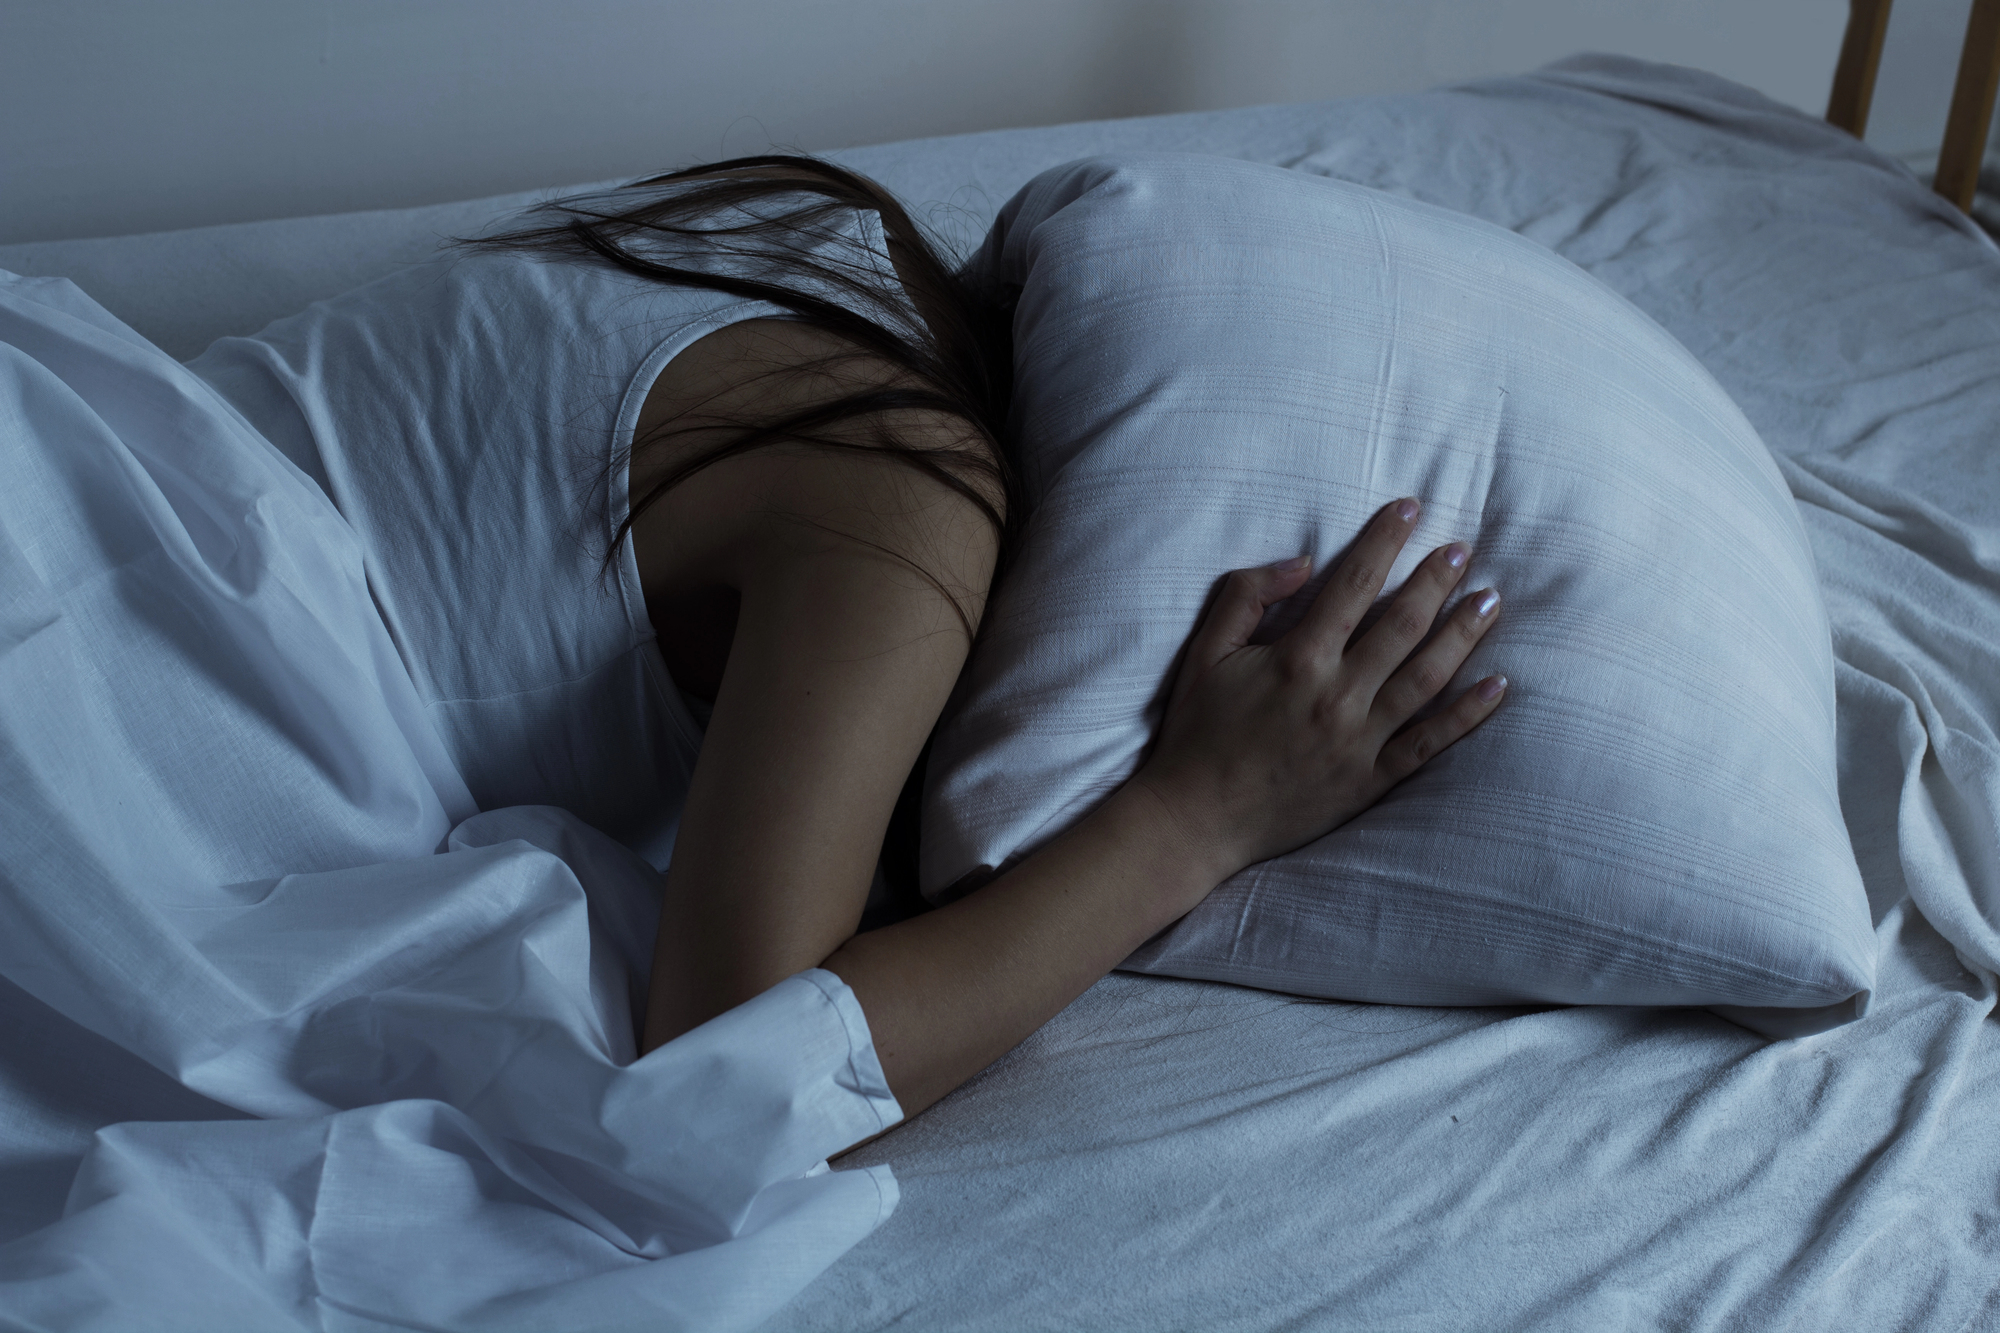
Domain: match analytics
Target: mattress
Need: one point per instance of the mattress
(1182, 1155)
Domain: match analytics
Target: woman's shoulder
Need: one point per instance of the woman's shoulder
(768, 369)
(783, 509)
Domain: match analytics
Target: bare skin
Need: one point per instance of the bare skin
(831, 662)
(1263, 750)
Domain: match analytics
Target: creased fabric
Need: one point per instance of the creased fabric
(1179, 1156)
(1219, 364)
(380, 1047)
(1173, 1154)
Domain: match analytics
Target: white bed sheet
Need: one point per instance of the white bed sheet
(1172, 1154)
(384, 1050)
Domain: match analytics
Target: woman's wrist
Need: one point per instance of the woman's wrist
(1174, 814)
(948, 992)
(1151, 823)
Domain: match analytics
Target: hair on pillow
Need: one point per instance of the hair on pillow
(1220, 364)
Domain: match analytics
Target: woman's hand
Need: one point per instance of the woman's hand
(1265, 748)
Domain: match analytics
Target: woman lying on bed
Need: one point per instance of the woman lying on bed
(819, 507)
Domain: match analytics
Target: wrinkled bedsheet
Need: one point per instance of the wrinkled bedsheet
(1180, 1155)
(1174, 1155)
(357, 1056)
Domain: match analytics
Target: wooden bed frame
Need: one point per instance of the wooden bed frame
(1971, 115)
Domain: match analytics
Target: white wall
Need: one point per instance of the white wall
(138, 115)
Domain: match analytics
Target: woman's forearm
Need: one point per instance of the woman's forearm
(949, 992)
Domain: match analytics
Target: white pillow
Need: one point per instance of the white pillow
(1221, 364)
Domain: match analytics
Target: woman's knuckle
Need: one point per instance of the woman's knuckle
(1361, 578)
(1326, 715)
(1339, 709)
(1290, 660)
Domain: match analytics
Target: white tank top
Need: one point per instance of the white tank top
(469, 417)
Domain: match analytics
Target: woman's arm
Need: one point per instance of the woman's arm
(949, 992)
(1263, 749)
(840, 664)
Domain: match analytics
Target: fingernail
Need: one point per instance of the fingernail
(1492, 688)
(1454, 555)
(1487, 600)
(1293, 565)
(1406, 510)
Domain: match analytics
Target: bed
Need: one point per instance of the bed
(1172, 1154)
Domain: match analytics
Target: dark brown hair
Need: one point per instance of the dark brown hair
(948, 338)
(947, 333)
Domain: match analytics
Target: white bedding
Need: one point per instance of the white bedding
(233, 849)
(1174, 1155)
(1171, 1154)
